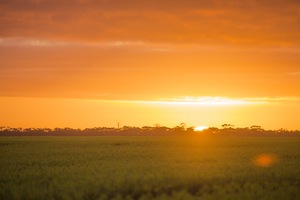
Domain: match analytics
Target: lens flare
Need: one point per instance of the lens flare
(265, 160)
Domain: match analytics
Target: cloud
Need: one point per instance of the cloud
(217, 100)
(203, 101)
(29, 42)
(94, 46)
(192, 21)
(294, 73)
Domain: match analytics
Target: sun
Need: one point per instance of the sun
(200, 128)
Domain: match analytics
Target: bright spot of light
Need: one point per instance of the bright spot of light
(265, 160)
(200, 128)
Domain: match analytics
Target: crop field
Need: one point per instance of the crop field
(145, 167)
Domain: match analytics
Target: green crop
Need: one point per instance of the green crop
(143, 167)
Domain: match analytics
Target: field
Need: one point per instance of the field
(191, 167)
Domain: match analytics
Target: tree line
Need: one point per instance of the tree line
(180, 130)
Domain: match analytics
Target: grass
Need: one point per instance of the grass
(148, 168)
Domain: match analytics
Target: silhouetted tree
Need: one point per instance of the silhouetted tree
(227, 126)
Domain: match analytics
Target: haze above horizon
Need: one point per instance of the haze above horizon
(92, 63)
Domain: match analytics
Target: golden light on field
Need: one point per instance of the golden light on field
(265, 160)
(200, 128)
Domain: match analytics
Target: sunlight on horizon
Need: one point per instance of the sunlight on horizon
(200, 128)
(208, 111)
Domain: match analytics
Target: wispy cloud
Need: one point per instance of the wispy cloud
(210, 101)
(20, 41)
(296, 73)
(118, 44)
(252, 22)
(216, 100)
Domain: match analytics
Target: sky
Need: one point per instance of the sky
(88, 63)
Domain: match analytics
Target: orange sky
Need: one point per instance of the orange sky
(65, 63)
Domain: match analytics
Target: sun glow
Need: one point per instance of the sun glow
(200, 101)
(214, 101)
(200, 128)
